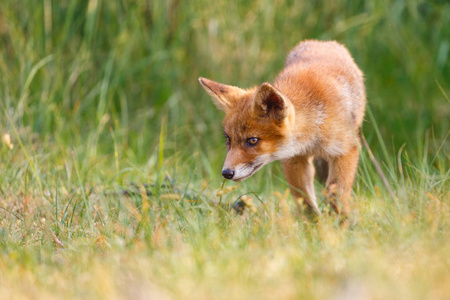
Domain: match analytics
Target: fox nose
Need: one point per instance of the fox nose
(227, 173)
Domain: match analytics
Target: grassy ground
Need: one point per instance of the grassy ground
(110, 183)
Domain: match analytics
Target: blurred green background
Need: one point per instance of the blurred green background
(94, 75)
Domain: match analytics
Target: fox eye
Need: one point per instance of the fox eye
(227, 141)
(252, 141)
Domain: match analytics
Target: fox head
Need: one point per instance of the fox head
(257, 126)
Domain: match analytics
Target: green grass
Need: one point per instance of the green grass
(101, 97)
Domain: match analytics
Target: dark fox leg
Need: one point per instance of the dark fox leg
(321, 166)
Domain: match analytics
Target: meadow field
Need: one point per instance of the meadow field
(111, 153)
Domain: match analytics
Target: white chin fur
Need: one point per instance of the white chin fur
(241, 179)
(243, 171)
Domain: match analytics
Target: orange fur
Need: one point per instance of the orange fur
(314, 109)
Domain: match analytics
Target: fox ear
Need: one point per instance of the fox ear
(222, 94)
(270, 102)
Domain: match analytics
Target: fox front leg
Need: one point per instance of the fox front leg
(299, 173)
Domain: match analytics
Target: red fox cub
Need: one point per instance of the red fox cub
(313, 110)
